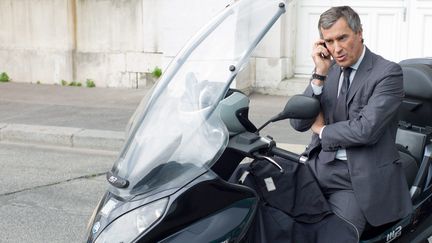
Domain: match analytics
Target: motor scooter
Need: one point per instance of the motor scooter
(188, 137)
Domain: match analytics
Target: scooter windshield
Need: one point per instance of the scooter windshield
(177, 135)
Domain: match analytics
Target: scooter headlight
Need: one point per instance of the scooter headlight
(130, 225)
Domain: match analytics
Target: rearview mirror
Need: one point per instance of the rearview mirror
(297, 107)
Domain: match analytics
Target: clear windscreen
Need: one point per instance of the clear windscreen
(176, 136)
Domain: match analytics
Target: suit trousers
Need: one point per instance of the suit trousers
(334, 180)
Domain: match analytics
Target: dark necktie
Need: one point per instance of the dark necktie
(341, 108)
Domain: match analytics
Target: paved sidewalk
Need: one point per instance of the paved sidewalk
(95, 118)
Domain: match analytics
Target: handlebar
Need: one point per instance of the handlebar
(252, 145)
(288, 155)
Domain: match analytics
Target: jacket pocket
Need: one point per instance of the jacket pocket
(385, 163)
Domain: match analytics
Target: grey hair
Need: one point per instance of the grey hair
(329, 17)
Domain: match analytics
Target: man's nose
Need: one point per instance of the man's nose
(337, 47)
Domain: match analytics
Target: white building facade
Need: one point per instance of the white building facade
(117, 42)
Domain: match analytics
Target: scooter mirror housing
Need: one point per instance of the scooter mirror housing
(298, 107)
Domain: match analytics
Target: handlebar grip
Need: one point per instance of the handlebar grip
(287, 154)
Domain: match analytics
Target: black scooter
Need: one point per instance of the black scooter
(171, 182)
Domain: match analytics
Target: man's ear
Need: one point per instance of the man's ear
(360, 34)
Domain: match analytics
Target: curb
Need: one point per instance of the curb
(62, 136)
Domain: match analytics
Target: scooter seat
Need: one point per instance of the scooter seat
(416, 108)
(418, 81)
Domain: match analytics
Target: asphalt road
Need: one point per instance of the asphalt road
(48, 195)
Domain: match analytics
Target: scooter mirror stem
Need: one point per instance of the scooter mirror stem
(260, 128)
(297, 107)
(264, 125)
(273, 119)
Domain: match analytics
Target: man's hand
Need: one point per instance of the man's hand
(322, 59)
(318, 124)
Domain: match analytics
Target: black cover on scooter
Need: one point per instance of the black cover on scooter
(292, 207)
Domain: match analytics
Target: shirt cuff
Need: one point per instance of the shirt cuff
(321, 131)
(317, 90)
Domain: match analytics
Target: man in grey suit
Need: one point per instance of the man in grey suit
(352, 152)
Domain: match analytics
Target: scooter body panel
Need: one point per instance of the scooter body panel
(227, 225)
(227, 208)
(206, 208)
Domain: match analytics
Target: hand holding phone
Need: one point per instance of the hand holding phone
(321, 57)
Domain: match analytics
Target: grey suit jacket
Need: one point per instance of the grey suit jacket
(368, 136)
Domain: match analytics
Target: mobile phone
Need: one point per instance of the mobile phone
(322, 54)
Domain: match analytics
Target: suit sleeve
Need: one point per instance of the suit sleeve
(373, 119)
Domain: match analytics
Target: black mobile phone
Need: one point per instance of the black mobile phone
(322, 54)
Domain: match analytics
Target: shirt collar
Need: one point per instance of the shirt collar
(357, 64)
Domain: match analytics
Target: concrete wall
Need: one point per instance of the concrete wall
(108, 36)
(35, 40)
(116, 42)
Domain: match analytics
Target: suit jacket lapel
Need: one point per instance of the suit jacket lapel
(361, 75)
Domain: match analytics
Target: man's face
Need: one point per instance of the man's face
(343, 44)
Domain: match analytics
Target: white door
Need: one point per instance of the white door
(420, 29)
(394, 29)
